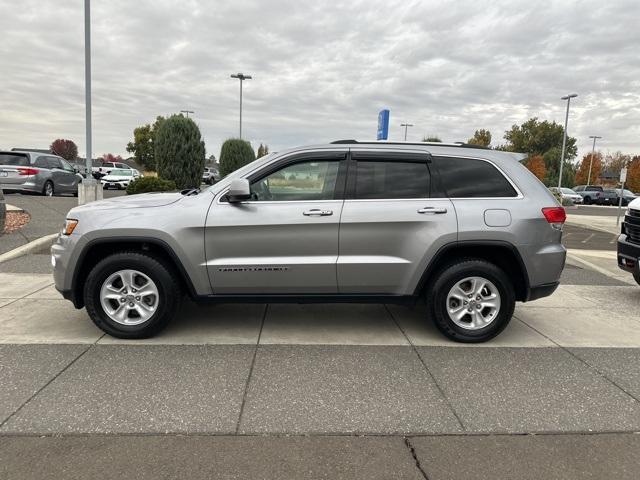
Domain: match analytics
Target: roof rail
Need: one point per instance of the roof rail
(455, 144)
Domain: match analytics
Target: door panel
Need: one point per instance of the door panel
(385, 245)
(273, 247)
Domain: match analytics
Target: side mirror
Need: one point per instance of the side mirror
(239, 190)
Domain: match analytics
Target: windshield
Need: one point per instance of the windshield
(14, 159)
(568, 191)
(121, 173)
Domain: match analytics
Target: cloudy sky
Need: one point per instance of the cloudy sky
(322, 70)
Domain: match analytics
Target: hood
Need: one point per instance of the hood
(141, 200)
(635, 204)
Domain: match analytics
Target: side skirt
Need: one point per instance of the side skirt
(309, 298)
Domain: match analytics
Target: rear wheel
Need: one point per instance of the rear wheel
(471, 301)
(131, 295)
(47, 190)
(587, 201)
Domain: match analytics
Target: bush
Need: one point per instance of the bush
(179, 152)
(150, 184)
(235, 153)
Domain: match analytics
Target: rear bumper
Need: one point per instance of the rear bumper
(628, 255)
(31, 187)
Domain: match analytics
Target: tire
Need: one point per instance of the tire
(163, 305)
(587, 201)
(47, 189)
(491, 321)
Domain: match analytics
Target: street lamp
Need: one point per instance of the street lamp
(187, 112)
(406, 125)
(241, 77)
(564, 138)
(87, 88)
(593, 150)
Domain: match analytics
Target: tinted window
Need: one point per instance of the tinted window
(394, 179)
(311, 180)
(13, 159)
(54, 162)
(42, 162)
(469, 178)
(593, 189)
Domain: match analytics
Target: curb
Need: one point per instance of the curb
(30, 247)
(592, 266)
(14, 209)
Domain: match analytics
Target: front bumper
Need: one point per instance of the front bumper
(628, 255)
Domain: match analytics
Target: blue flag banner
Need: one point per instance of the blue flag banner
(383, 125)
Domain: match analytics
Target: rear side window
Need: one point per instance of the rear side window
(14, 160)
(392, 179)
(41, 162)
(470, 178)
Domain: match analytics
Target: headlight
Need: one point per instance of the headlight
(69, 226)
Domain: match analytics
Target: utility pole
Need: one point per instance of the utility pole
(242, 77)
(187, 112)
(406, 125)
(593, 151)
(564, 138)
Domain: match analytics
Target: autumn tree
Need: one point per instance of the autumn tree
(614, 162)
(536, 165)
(633, 174)
(582, 174)
(481, 137)
(110, 157)
(66, 149)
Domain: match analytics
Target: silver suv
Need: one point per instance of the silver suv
(469, 230)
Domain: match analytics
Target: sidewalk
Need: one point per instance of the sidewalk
(602, 223)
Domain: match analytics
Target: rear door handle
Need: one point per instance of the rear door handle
(316, 212)
(433, 210)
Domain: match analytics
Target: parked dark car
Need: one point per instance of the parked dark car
(627, 196)
(595, 194)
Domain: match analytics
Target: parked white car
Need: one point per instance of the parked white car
(567, 193)
(118, 178)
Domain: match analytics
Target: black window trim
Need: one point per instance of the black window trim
(518, 195)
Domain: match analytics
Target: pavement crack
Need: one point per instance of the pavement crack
(424, 365)
(412, 451)
(253, 362)
(51, 380)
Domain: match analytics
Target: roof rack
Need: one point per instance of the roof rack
(455, 144)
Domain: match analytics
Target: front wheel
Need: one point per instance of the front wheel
(131, 295)
(47, 190)
(471, 301)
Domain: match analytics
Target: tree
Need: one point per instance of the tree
(633, 175)
(110, 157)
(552, 164)
(536, 165)
(614, 162)
(179, 151)
(582, 173)
(260, 152)
(235, 153)
(142, 146)
(481, 137)
(431, 138)
(537, 138)
(66, 149)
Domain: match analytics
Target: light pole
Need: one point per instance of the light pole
(593, 151)
(564, 138)
(241, 77)
(87, 85)
(406, 125)
(187, 112)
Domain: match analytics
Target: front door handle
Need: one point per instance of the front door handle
(433, 210)
(316, 212)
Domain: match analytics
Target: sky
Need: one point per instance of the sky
(321, 70)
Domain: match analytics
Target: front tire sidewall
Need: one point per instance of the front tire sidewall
(168, 300)
(454, 274)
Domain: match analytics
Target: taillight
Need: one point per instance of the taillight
(27, 171)
(554, 214)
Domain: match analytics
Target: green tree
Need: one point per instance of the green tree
(431, 138)
(481, 137)
(260, 152)
(179, 151)
(538, 138)
(142, 146)
(235, 153)
(552, 165)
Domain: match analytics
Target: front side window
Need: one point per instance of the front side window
(309, 180)
(55, 162)
(392, 179)
(471, 178)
